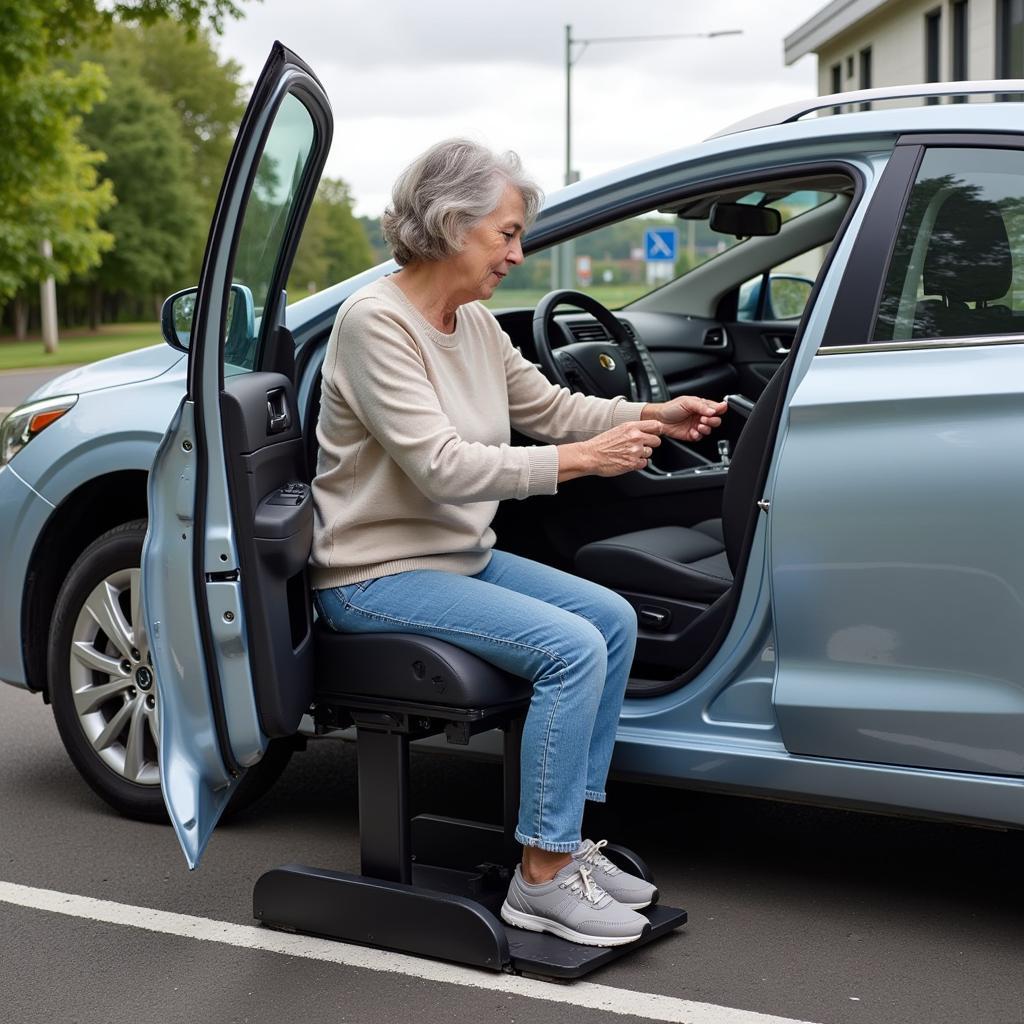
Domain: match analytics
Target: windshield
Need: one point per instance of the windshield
(621, 262)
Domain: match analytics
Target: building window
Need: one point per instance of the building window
(1010, 44)
(932, 39)
(865, 72)
(837, 84)
(959, 69)
(849, 67)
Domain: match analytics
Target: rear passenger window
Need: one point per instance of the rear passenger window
(956, 269)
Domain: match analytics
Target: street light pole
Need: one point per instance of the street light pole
(568, 104)
(571, 175)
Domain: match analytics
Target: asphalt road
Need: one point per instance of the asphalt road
(16, 385)
(815, 915)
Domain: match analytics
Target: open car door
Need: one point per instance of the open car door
(225, 591)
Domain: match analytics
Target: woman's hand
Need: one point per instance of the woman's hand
(686, 418)
(622, 449)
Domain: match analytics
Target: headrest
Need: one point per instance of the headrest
(968, 258)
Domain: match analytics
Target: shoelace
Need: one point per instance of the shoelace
(595, 857)
(582, 884)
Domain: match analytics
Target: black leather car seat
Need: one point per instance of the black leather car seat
(694, 564)
(968, 261)
(688, 563)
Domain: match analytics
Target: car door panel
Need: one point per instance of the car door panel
(273, 508)
(897, 573)
(223, 578)
(897, 570)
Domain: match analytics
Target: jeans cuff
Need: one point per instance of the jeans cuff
(597, 796)
(543, 844)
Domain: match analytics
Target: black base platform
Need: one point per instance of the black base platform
(429, 918)
(430, 886)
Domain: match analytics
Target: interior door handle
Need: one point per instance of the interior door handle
(778, 344)
(278, 417)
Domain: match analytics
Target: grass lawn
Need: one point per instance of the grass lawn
(78, 345)
(611, 295)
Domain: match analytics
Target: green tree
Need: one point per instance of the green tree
(205, 93)
(334, 243)
(48, 180)
(49, 186)
(157, 216)
(381, 249)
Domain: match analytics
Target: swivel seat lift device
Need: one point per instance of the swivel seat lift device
(431, 886)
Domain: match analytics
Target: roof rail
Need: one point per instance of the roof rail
(800, 108)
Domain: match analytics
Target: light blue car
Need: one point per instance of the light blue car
(830, 611)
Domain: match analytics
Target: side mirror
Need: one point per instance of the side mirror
(744, 220)
(178, 310)
(176, 318)
(787, 296)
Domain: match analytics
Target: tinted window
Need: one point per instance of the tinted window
(955, 270)
(275, 189)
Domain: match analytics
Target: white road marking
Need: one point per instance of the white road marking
(587, 995)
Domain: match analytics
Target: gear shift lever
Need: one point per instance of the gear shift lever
(723, 452)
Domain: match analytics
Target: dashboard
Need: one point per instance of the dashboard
(684, 354)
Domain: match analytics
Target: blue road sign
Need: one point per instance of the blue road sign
(660, 245)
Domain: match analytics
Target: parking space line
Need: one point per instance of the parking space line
(587, 995)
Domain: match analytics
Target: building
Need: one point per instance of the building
(866, 43)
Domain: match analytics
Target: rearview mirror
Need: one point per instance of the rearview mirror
(178, 310)
(744, 220)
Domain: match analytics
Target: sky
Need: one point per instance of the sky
(403, 74)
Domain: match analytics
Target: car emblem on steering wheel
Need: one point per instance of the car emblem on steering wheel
(606, 361)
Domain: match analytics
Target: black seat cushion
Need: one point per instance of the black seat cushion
(713, 528)
(406, 667)
(671, 561)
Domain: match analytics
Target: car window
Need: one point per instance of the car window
(275, 188)
(956, 266)
(782, 292)
(611, 263)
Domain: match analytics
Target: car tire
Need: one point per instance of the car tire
(102, 687)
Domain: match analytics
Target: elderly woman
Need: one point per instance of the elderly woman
(420, 389)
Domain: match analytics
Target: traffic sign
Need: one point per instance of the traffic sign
(660, 245)
(584, 270)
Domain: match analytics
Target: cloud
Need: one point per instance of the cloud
(402, 75)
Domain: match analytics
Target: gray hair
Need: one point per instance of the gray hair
(446, 191)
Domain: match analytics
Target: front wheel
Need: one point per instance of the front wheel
(103, 686)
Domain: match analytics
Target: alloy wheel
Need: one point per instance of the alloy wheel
(113, 683)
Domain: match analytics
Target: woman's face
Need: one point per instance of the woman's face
(491, 248)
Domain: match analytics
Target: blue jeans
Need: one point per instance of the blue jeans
(573, 639)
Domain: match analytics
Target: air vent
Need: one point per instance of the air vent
(588, 330)
(714, 337)
(628, 328)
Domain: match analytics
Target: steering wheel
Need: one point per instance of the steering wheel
(599, 368)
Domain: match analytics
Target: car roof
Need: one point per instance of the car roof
(846, 129)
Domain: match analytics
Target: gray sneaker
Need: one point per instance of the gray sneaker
(626, 889)
(572, 907)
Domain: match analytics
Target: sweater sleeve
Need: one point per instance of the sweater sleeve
(550, 412)
(385, 382)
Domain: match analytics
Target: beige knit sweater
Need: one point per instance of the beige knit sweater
(414, 436)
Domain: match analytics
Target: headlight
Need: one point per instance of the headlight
(23, 423)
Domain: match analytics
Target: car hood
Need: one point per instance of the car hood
(130, 368)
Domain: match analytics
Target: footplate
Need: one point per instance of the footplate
(442, 924)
